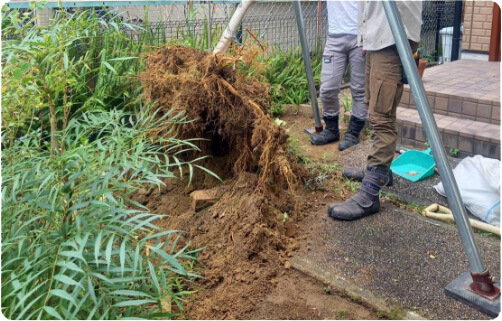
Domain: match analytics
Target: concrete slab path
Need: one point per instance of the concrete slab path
(394, 258)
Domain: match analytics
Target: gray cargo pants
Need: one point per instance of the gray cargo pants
(341, 49)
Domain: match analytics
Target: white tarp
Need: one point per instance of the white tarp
(478, 179)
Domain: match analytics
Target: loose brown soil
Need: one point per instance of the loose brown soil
(251, 231)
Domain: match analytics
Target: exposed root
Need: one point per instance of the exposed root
(230, 109)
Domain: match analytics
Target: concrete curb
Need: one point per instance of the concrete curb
(347, 288)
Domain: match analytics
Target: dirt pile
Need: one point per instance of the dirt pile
(229, 109)
(245, 245)
(247, 233)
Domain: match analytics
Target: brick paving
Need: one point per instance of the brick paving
(468, 136)
(465, 98)
(479, 80)
(464, 88)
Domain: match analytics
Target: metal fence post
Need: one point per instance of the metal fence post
(308, 68)
(482, 283)
(457, 20)
(439, 16)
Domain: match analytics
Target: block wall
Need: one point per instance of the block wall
(477, 25)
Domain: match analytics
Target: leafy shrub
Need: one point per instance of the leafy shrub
(286, 74)
(74, 243)
(80, 61)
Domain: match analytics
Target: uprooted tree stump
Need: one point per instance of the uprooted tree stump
(229, 109)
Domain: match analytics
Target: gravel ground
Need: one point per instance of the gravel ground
(400, 257)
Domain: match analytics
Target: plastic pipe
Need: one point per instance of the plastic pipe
(308, 65)
(431, 130)
(447, 216)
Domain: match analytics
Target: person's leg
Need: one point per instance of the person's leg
(384, 93)
(360, 108)
(357, 174)
(386, 90)
(333, 67)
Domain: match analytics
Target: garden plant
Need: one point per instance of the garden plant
(76, 145)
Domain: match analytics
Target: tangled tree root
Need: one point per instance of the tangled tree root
(229, 107)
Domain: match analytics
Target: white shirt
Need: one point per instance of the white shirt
(374, 29)
(342, 17)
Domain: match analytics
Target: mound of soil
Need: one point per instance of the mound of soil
(246, 244)
(247, 234)
(229, 109)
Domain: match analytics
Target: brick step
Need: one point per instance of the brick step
(481, 110)
(470, 137)
(464, 89)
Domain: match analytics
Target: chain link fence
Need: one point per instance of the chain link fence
(437, 25)
(271, 23)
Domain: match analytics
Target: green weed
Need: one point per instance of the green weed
(392, 199)
(347, 102)
(393, 314)
(341, 314)
(353, 186)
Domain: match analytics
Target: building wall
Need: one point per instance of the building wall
(477, 25)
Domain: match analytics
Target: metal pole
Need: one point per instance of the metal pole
(455, 45)
(439, 17)
(318, 29)
(308, 65)
(209, 27)
(445, 172)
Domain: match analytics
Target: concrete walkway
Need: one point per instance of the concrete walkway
(394, 258)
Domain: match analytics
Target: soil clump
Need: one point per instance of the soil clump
(248, 234)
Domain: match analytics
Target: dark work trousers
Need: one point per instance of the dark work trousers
(384, 89)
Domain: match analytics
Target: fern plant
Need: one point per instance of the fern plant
(74, 243)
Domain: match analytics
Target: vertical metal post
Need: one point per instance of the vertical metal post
(449, 183)
(478, 280)
(308, 66)
(318, 27)
(457, 20)
(209, 27)
(439, 17)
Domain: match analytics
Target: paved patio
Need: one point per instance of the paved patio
(465, 98)
(466, 79)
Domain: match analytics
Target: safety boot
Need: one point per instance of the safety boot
(329, 134)
(366, 201)
(357, 174)
(351, 137)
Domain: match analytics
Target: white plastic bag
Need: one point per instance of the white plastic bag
(478, 180)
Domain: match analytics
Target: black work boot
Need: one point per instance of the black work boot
(366, 201)
(357, 174)
(329, 134)
(352, 135)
